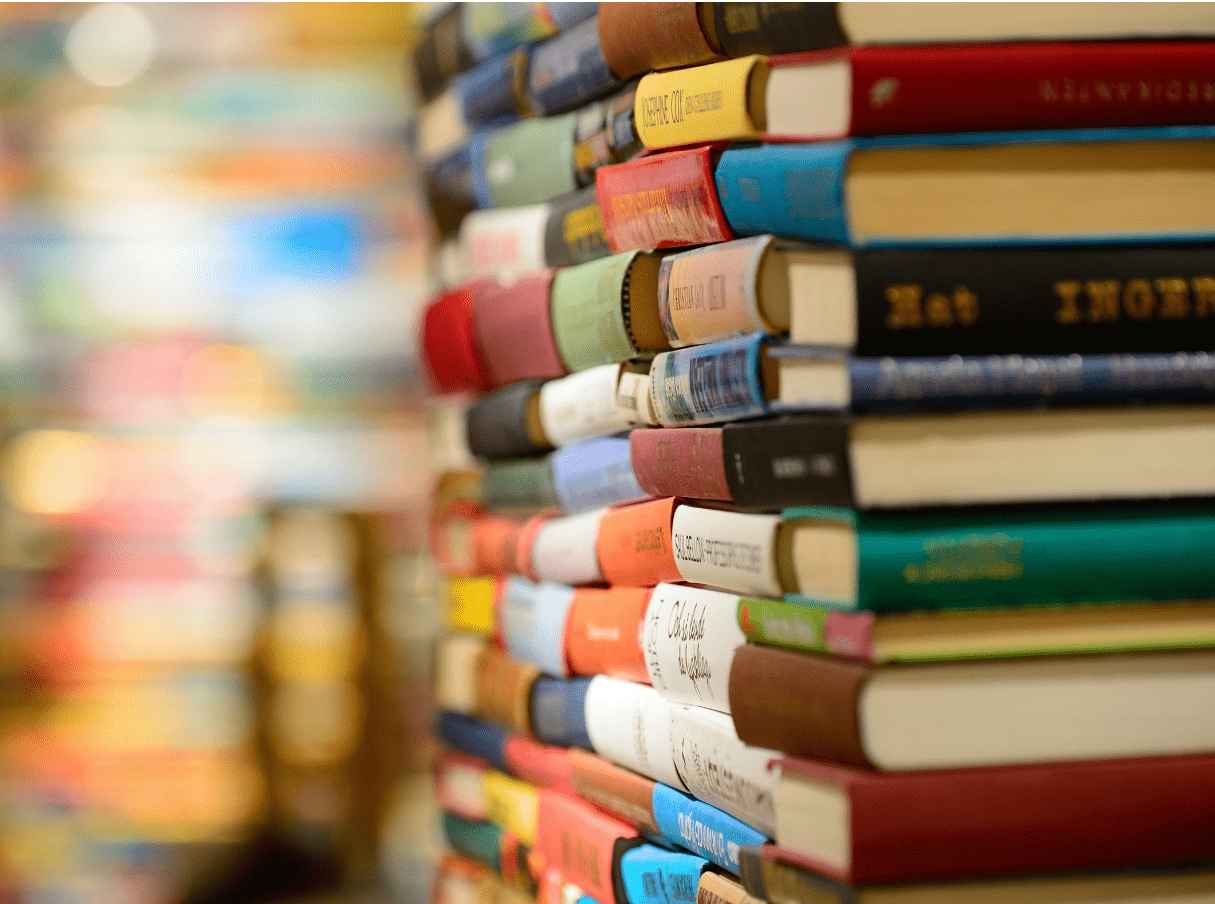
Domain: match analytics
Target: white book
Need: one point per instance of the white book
(456, 672)
(582, 406)
(630, 724)
(505, 243)
(732, 550)
(564, 549)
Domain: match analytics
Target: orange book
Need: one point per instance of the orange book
(634, 544)
(495, 541)
(603, 632)
(582, 844)
(620, 791)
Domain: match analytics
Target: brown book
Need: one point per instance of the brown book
(504, 687)
(613, 788)
(638, 37)
(990, 712)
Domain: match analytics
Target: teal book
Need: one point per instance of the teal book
(482, 841)
(891, 561)
(1083, 185)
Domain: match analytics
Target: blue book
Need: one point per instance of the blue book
(654, 875)
(569, 70)
(476, 737)
(702, 828)
(594, 474)
(997, 187)
(558, 711)
(487, 91)
(533, 621)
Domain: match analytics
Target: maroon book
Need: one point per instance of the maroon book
(962, 823)
(448, 345)
(514, 331)
(662, 201)
(680, 461)
(894, 90)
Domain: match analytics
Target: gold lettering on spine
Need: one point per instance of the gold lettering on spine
(1174, 299)
(1138, 300)
(1102, 299)
(965, 305)
(1204, 295)
(1069, 313)
(938, 310)
(905, 310)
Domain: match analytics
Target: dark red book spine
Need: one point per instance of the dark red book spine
(449, 347)
(683, 461)
(663, 201)
(963, 88)
(514, 331)
(961, 823)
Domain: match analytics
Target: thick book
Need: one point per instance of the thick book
(476, 737)
(661, 201)
(622, 792)
(866, 827)
(458, 781)
(638, 37)
(603, 632)
(918, 90)
(584, 845)
(528, 162)
(971, 188)
(575, 478)
(469, 604)
(499, 244)
(562, 549)
(634, 544)
(925, 302)
(505, 423)
(448, 343)
(715, 888)
(533, 619)
(440, 55)
(966, 458)
(492, 91)
(630, 724)
(568, 71)
(702, 828)
(606, 311)
(503, 687)
(456, 658)
(980, 713)
(513, 329)
(1018, 629)
(558, 711)
(583, 406)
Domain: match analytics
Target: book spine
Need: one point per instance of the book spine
(802, 704)
(475, 737)
(614, 788)
(733, 551)
(533, 623)
(686, 462)
(456, 657)
(662, 201)
(715, 888)
(653, 875)
(707, 384)
(1027, 380)
(459, 784)
(503, 688)
(1034, 301)
(589, 315)
(689, 638)
(704, 103)
(603, 634)
(513, 327)
(500, 423)
(709, 293)
(702, 829)
(630, 724)
(594, 474)
(487, 91)
(470, 604)
(573, 232)
(582, 406)
(440, 55)
(781, 883)
(449, 347)
(808, 626)
(493, 28)
(633, 394)
(524, 484)
(540, 765)
(634, 544)
(581, 843)
(508, 242)
(558, 711)
(495, 546)
(529, 162)
(720, 769)
(511, 804)
(564, 549)
(1110, 554)
(640, 37)
(801, 460)
(479, 840)
(794, 190)
(1005, 87)
(568, 71)
(776, 28)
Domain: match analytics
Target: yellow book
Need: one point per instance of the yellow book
(718, 102)
(511, 805)
(470, 605)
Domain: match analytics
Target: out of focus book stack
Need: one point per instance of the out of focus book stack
(824, 400)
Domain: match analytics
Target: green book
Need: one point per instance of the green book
(892, 562)
(482, 841)
(531, 161)
(523, 484)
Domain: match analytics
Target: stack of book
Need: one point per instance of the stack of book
(900, 588)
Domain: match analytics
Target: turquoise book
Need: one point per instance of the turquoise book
(702, 828)
(654, 875)
(1082, 185)
(891, 562)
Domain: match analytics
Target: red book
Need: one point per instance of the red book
(680, 461)
(958, 823)
(583, 844)
(892, 90)
(514, 331)
(662, 201)
(449, 347)
(542, 765)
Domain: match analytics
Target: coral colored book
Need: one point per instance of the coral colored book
(584, 845)
(603, 632)
(634, 544)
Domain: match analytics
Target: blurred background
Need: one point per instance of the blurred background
(216, 610)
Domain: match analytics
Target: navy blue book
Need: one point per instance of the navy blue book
(558, 711)
(1001, 187)
(488, 92)
(476, 737)
(568, 71)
